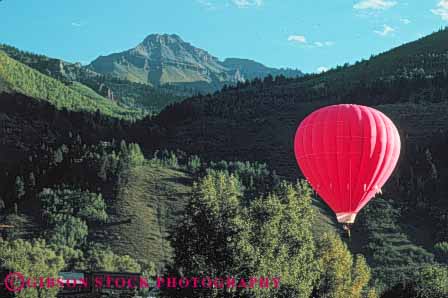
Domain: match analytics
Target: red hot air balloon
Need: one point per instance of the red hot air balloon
(347, 152)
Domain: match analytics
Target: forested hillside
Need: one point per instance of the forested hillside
(265, 113)
(129, 94)
(100, 207)
(17, 77)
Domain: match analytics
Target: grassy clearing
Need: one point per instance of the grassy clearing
(144, 213)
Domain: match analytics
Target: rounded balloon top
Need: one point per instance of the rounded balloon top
(347, 152)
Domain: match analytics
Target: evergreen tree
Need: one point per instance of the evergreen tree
(32, 180)
(441, 252)
(58, 156)
(19, 187)
(102, 173)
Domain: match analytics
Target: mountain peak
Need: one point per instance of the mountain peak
(164, 38)
(168, 59)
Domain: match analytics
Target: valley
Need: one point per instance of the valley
(182, 151)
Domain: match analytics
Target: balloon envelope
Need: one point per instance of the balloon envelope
(347, 152)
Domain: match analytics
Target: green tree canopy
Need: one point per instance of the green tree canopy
(341, 277)
(224, 234)
(69, 231)
(100, 258)
(433, 282)
(32, 259)
(85, 205)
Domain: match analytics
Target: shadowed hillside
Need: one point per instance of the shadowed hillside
(258, 119)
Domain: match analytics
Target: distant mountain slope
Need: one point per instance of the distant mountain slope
(55, 68)
(161, 59)
(17, 77)
(161, 70)
(167, 59)
(249, 69)
(133, 95)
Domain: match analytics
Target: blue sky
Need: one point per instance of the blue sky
(304, 34)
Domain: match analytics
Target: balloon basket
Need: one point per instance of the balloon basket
(348, 227)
